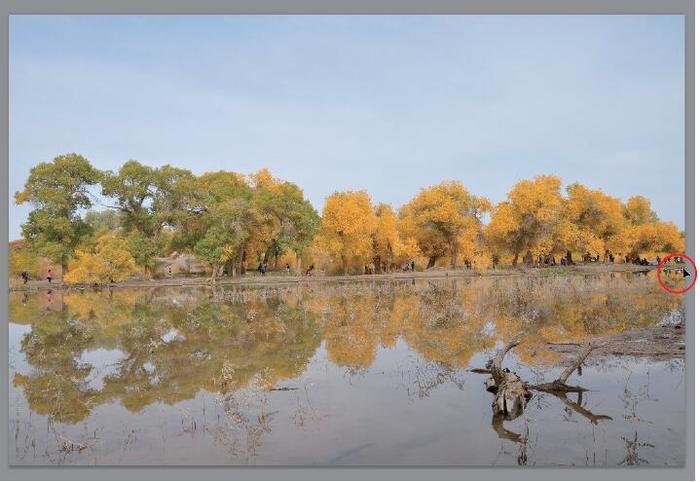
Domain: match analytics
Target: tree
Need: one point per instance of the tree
(110, 263)
(215, 249)
(347, 225)
(654, 239)
(286, 220)
(23, 259)
(144, 251)
(638, 211)
(528, 219)
(169, 203)
(99, 221)
(133, 187)
(597, 219)
(439, 216)
(220, 207)
(58, 190)
(388, 246)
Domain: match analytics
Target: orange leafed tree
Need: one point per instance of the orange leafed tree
(389, 246)
(527, 221)
(438, 217)
(347, 225)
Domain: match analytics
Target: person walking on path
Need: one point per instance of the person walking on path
(49, 276)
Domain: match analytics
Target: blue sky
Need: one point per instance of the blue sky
(388, 103)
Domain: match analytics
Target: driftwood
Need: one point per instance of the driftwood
(512, 393)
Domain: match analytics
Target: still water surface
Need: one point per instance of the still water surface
(371, 373)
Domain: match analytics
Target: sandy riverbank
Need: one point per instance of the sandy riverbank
(271, 279)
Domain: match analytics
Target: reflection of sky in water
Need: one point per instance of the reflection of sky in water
(172, 335)
(103, 363)
(18, 361)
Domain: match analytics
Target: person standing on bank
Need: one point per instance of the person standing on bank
(49, 276)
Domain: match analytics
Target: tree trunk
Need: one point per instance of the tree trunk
(241, 264)
(515, 260)
(298, 264)
(345, 265)
(431, 262)
(453, 258)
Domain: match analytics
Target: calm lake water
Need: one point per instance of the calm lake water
(366, 373)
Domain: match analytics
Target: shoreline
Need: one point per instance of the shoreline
(275, 279)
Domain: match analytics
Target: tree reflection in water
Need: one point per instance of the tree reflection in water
(179, 341)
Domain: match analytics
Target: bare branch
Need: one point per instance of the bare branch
(498, 359)
(578, 408)
(577, 363)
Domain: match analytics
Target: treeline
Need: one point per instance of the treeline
(233, 222)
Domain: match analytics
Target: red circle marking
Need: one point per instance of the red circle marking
(677, 255)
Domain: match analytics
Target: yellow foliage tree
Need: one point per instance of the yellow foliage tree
(654, 239)
(598, 218)
(528, 220)
(347, 225)
(439, 216)
(110, 263)
(389, 247)
(638, 211)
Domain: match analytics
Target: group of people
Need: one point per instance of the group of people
(262, 269)
(25, 276)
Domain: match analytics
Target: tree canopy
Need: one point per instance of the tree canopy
(233, 222)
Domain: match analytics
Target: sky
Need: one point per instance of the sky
(389, 104)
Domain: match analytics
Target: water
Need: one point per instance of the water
(336, 374)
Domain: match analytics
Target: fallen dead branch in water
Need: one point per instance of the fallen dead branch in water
(512, 393)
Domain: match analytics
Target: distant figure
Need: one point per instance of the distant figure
(611, 257)
(49, 276)
(288, 269)
(658, 260)
(25, 277)
(310, 270)
(413, 265)
(260, 268)
(264, 268)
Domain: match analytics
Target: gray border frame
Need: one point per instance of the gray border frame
(640, 7)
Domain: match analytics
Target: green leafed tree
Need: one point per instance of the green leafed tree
(133, 187)
(58, 191)
(144, 250)
(215, 249)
